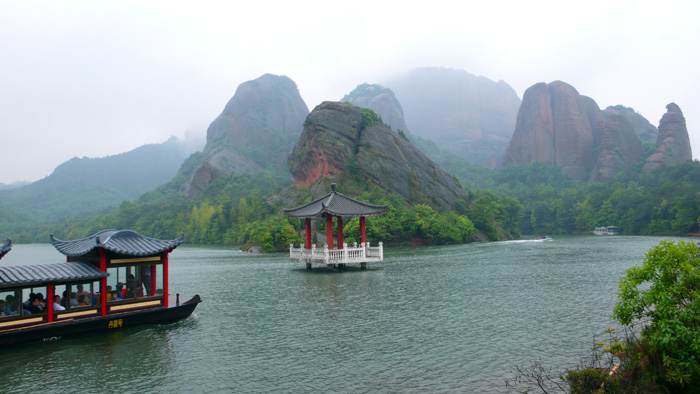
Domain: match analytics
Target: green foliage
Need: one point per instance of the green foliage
(589, 380)
(664, 295)
(417, 224)
(402, 134)
(369, 117)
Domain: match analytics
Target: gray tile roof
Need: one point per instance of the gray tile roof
(22, 275)
(336, 204)
(4, 248)
(124, 242)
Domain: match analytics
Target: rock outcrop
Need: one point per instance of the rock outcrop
(471, 116)
(340, 140)
(673, 143)
(382, 101)
(557, 125)
(642, 128)
(255, 131)
(554, 126)
(618, 147)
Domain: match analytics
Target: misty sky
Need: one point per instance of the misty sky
(95, 78)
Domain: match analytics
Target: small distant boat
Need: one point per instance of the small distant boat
(607, 230)
(546, 238)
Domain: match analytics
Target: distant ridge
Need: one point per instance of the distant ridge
(469, 115)
(83, 185)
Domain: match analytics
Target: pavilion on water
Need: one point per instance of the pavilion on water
(340, 206)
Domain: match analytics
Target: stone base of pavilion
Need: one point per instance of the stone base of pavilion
(338, 258)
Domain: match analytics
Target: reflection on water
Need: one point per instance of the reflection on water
(432, 319)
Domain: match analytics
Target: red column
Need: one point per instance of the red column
(103, 283)
(51, 291)
(329, 231)
(307, 225)
(340, 232)
(165, 280)
(363, 233)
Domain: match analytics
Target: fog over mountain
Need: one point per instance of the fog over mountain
(100, 78)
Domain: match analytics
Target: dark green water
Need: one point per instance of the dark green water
(432, 319)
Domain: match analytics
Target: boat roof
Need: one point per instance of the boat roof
(123, 242)
(23, 275)
(5, 247)
(336, 204)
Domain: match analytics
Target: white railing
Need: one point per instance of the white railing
(354, 254)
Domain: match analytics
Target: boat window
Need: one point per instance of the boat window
(62, 292)
(81, 295)
(10, 303)
(135, 281)
(34, 300)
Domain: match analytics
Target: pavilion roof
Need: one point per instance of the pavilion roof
(4, 248)
(123, 242)
(336, 204)
(23, 275)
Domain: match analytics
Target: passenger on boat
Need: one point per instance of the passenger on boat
(108, 293)
(2, 308)
(82, 300)
(35, 305)
(130, 286)
(65, 300)
(87, 294)
(26, 304)
(9, 301)
(73, 299)
(114, 296)
(145, 274)
(41, 298)
(57, 303)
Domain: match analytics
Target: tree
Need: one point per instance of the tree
(664, 294)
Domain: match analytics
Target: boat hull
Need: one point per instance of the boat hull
(115, 321)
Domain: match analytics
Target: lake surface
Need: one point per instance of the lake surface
(427, 319)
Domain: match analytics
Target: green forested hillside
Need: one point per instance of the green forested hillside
(83, 185)
(529, 199)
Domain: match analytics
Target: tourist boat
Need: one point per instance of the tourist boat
(110, 280)
(607, 230)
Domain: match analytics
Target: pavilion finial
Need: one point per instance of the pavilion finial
(332, 187)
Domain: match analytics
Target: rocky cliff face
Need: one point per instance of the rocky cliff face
(382, 101)
(618, 147)
(468, 115)
(255, 131)
(556, 124)
(673, 143)
(338, 141)
(642, 128)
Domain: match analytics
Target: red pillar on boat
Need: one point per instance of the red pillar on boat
(363, 232)
(340, 232)
(165, 279)
(103, 283)
(51, 291)
(307, 225)
(329, 231)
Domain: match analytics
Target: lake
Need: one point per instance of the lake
(428, 319)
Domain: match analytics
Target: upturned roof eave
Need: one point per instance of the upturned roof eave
(323, 206)
(84, 246)
(6, 247)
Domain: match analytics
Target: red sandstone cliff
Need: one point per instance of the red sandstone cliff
(673, 143)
